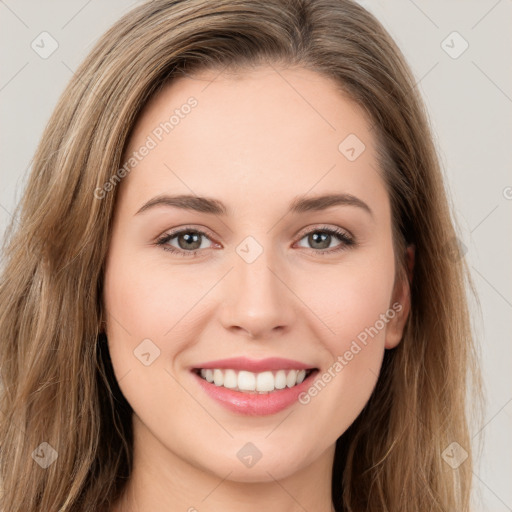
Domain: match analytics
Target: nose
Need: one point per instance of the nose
(257, 299)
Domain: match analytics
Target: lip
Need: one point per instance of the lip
(255, 404)
(254, 365)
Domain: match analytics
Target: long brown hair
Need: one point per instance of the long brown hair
(56, 377)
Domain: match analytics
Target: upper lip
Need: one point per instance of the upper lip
(255, 365)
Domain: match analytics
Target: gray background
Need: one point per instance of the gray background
(469, 98)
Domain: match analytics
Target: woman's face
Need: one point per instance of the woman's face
(255, 263)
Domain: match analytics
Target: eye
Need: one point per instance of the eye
(189, 241)
(320, 239)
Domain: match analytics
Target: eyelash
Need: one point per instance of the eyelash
(347, 241)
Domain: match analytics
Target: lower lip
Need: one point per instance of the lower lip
(255, 404)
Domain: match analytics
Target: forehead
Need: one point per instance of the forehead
(250, 132)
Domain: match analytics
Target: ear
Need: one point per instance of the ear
(401, 302)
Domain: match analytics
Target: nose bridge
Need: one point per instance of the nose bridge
(258, 301)
(256, 280)
(257, 283)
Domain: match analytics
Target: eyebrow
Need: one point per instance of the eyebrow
(299, 204)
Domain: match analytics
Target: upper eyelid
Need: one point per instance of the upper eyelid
(324, 228)
(178, 231)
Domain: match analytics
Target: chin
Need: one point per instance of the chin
(266, 465)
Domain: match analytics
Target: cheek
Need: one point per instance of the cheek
(149, 299)
(148, 308)
(352, 299)
(155, 301)
(355, 305)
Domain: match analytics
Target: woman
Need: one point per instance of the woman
(173, 336)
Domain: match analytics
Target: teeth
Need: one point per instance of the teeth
(264, 382)
(218, 377)
(230, 379)
(291, 378)
(246, 381)
(280, 380)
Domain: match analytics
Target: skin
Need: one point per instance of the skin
(255, 142)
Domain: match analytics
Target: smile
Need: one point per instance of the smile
(253, 387)
(250, 382)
